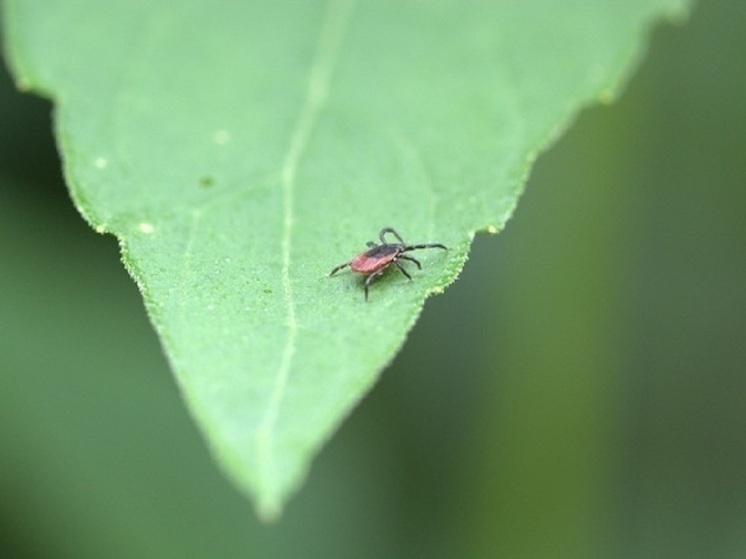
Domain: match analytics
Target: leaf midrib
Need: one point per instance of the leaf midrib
(334, 25)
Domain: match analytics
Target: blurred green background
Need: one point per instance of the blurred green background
(579, 392)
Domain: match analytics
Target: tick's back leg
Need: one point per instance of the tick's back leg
(338, 268)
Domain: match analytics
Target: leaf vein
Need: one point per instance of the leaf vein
(334, 24)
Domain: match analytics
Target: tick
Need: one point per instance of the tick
(377, 259)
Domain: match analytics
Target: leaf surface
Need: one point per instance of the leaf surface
(240, 150)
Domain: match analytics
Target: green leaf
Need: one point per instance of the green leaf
(240, 150)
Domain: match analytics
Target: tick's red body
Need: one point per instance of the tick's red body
(374, 261)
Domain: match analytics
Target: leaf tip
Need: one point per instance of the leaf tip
(269, 509)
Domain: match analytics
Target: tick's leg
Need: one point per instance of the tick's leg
(371, 277)
(426, 245)
(405, 257)
(385, 230)
(371, 244)
(338, 268)
(403, 271)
